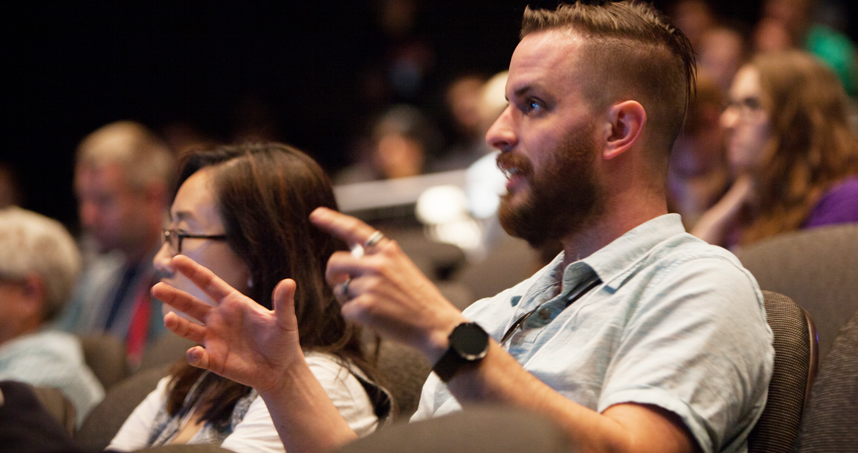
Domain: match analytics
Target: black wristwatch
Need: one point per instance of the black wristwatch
(469, 343)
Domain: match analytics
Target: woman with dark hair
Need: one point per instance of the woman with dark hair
(243, 212)
(791, 149)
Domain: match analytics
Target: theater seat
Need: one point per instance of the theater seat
(165, 350)
(107, 417)
(58, 406)
(830, 421)
(105, 356)
(817, 268)
(403, 370)
(488, 429)
(794, 372)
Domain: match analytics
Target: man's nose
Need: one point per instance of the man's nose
(501, 135)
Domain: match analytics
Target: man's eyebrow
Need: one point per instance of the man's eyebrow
(521, 91)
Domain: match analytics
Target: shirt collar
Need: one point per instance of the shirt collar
(615, 258)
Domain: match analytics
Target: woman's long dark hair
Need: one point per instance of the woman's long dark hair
(264, 194)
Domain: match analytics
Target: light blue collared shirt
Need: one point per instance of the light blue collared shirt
(50, 358)
(675, 323)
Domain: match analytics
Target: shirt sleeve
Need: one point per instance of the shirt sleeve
(134, 433)
(346, 392)
(697, 345)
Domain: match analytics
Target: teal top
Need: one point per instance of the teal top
(837, 52)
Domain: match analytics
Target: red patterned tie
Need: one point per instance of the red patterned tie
(138, 330)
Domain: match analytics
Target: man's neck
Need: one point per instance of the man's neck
(618, 219)
(26, 327)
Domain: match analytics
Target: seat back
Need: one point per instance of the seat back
(58, 406)
(165, 350)
(830, 421)
(817, 268)
(107, 417)
(792, 377)
(403, 370)
(490, 429)
(185, 448)
(508, 262)
(105, 356)
(25, 423)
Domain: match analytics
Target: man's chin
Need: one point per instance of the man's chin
(515, 223)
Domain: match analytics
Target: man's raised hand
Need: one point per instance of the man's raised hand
(383, 289)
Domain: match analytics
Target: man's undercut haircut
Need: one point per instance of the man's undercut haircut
(631, 52)
(143, 157)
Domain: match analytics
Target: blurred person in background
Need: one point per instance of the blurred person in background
(790, 24)
(722, 51)
(693, 17)
(39, 263)
(403, 143)
(243, 211)
(10, 191)
(698, 174)
(123, 177)
(790, 148)
(462, 98)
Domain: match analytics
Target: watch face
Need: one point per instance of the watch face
(470, 340)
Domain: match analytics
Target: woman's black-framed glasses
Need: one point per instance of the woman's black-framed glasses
(174, 238)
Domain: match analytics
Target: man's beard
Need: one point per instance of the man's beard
(564, 198)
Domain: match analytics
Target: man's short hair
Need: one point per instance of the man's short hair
(144, 158)
(33, 243)
(632, 53)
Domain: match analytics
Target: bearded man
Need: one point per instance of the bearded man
(638, 337)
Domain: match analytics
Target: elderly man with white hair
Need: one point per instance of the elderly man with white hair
(39, 264)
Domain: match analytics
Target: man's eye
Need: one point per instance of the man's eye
(533, 105)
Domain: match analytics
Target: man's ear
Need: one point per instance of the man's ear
(626, 120)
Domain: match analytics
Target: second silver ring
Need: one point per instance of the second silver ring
(373, 240)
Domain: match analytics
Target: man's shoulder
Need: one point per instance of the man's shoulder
(686, 255)
(685, 247)
(50, 348)
(48, 339)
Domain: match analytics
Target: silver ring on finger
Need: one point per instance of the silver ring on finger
(373, 240)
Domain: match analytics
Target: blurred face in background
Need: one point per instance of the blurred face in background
(15, 307)
(111, 211)
(746, 123)
(195, 212)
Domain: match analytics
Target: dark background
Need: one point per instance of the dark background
(72, 67)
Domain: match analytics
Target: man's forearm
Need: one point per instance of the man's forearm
(499, 378)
